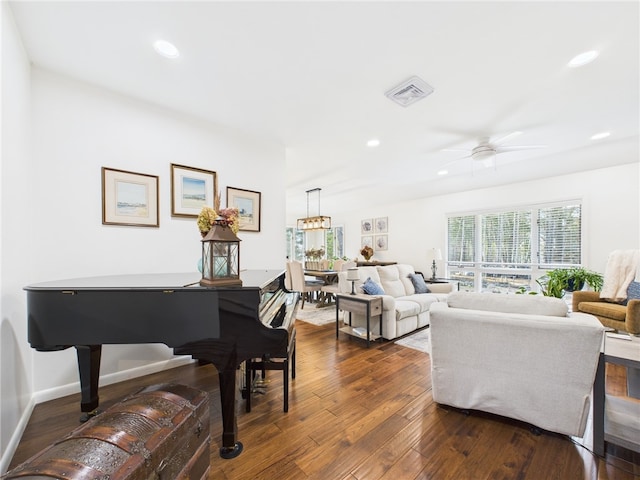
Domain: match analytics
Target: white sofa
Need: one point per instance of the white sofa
(519, 356)
(403, 310)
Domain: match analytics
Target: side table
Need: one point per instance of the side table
(367, 305)
(622, 352)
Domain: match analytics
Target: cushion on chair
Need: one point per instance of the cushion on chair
(611, 310)
(406, 308)
(418, 282)
(390, 281)
(372, 288)
(500, 302)
(633, 292)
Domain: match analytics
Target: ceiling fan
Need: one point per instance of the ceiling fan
(486, 149)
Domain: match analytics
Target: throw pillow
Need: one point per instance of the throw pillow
(419, 283)
(633, 292)
(372, 288)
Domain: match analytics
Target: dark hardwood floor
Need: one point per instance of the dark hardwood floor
(358, 413)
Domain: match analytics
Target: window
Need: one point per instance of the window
(506, 250)
(333, 243)
(295, 244)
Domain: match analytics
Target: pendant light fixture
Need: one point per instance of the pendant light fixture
(318, 222)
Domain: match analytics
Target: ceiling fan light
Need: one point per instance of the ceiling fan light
(583, 58)
(600, 136)
(166, 49)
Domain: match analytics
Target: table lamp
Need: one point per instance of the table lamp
(434, 254)
(353, 277)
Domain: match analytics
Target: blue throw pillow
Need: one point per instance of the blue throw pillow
(633, 292)
(419, 283)
(372, 288)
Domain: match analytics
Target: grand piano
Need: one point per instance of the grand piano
(223, 325)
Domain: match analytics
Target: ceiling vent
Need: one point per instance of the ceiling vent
(410, 91)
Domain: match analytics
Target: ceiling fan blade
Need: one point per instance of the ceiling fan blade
(506, 137)
(451, 162)
(515, 148)
(455, 150)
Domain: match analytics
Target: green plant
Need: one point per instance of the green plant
(560, 280)
(578, 276)
(522, 290)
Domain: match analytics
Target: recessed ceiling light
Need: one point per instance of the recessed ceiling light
(583, 58)
(374, 142)
(600, 136)
(166, 49)
(443, 172)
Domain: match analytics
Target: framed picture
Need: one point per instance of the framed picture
(381, 242)
(366, 241)
(366, 227)
(248, 204)
(129, 198)
(381, 225)
(191, 189)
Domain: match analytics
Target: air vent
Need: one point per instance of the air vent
(410, 91)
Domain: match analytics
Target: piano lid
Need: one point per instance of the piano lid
(154, 281)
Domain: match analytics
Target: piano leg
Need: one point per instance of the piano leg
(89, 369)
(230, 447)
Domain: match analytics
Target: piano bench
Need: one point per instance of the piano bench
(272, 363)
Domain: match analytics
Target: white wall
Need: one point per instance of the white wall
(77, 130)
(15, 233)
(62, 132)
(611, 214)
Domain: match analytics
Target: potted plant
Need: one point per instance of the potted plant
(577, 277)
(560, 280)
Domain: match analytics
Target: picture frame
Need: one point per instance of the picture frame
(129, 198)
(381, 242)
(248, 203)
(191, 189)
(366, 241)
(381, 225)
(366, 227)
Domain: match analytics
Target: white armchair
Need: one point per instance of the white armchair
(518, 356)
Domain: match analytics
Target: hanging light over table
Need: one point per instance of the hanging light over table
(319, 222)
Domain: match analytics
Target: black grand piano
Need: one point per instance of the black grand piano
(223, 325)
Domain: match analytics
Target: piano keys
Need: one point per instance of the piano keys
(220, 325)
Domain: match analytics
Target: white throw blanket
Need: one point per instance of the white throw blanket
(622, 267)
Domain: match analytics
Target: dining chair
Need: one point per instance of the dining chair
(299, 284)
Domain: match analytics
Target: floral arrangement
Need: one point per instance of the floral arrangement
(366, 252)
(314, 254)
(228, 217)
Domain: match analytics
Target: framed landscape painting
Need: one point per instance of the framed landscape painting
(129, 198)
(248, 204)
(191, 189)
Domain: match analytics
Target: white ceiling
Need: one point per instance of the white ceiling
(312, 77)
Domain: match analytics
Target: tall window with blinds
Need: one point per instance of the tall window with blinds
(507, 250)
(559, 234)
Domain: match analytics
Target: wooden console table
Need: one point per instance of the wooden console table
(374, 264)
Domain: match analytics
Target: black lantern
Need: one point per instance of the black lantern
(220, 256)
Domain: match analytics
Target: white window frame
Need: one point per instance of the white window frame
(533, 269)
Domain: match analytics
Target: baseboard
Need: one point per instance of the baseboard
(71, 388)
(14, 441)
